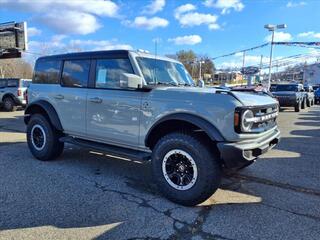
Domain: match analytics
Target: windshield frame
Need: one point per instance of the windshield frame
(185, 78)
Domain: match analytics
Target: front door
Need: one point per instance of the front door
(113, 113)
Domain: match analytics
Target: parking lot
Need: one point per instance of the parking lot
(88, 195)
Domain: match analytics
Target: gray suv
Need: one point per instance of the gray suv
(13, 93)
(144, 107)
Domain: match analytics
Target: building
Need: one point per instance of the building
(311, 74)
(227, 77)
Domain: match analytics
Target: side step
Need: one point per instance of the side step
(109, 149)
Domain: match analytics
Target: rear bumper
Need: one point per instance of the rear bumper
(239, 154)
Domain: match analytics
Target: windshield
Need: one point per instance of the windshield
(290, 88)
(157, 71)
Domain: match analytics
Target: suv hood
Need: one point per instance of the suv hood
(252, 99)
(247, 99)
(284, 93)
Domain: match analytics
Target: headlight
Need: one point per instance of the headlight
(246, 125)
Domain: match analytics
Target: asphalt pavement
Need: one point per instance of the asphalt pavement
(89, 195)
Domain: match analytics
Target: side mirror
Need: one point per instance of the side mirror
(201, 83)
(128, 80)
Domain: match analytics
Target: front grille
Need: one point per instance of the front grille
(264, 118)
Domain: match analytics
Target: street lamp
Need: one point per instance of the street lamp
(200, 62)
(272, 29)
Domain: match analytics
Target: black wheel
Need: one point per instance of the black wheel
(303, 105)
(9, 104)
(185, 170)
(43, 138)
(308, 103)
(297, 107)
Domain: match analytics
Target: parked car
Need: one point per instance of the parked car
(145, 107)
(290, 95)
(317, 96)
(13, 92)
(309, 95)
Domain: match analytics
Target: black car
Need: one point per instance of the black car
(290, 95)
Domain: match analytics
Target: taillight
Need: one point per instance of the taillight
(19, 92)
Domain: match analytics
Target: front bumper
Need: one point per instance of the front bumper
(239, 154)
(287, 101)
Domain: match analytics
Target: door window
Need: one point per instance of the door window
(75, 73)
(108, 72)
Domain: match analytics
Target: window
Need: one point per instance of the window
(47, 71)
(75, 73)
(108, 72)
(13, 83)
(3, 83)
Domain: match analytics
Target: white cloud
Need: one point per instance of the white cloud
(72, 22)
(67, 17)
(154, 7)
(187, 17)
(291, 4)
(33, 31)
(279, 37)
(183, 9)
(95, 45)
(225, 5)
(310, 34)
(196, 19)
(147, 23)
(186, 40)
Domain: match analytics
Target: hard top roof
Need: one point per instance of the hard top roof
(106, 54)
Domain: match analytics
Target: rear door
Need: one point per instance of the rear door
(113, 113)
(72, 95)
(3, 84)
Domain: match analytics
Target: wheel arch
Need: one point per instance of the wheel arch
(181, 121)
(11, 95)
(43, 107)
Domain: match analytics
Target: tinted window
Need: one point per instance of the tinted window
(280, 88)
(47, 71)
(13, 83)
(108, 72)
(3, 83)
(75, 73)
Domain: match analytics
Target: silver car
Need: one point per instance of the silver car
(145, 107)
(13, 92)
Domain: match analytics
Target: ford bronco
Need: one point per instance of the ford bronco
(144, 107)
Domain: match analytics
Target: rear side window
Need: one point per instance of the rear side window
(13, 83)
(3, 83)
(47, 71)
(108, 72)
(75, 73)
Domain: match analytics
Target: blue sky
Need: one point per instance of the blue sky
(210, 27)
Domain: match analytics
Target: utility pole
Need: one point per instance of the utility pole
(272, 29)
(260, 67)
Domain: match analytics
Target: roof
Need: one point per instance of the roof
(106, 53)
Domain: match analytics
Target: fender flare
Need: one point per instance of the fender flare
(45, 107)
(200, 122)
(9, 95)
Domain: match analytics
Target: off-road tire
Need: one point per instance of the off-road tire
(9, 105)
(52, 148)
(209, 169)
(304, 105)
(309, 103)
(297, 107)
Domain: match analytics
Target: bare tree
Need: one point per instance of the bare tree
(15, 68)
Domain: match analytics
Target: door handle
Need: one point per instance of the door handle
(59, 96)
(95, 100)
